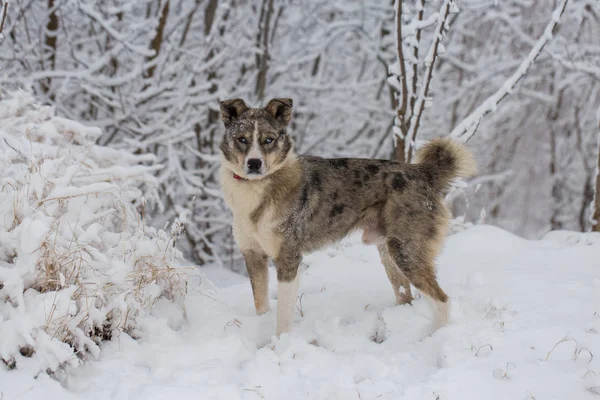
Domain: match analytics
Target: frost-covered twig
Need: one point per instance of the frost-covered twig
(589, 68)
(466, 129)
(430, 59)
(478, 181)
(114, 34)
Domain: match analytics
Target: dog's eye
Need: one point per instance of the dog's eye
(242, 139)
(269, 140)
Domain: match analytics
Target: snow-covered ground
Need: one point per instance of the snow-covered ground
(525, 324)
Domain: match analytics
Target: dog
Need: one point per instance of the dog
(285, 205)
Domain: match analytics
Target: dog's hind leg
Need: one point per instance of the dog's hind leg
(400, 284)
(417, 264)
(257, 266)
(287, 265)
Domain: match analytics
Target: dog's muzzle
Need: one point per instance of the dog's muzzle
(254, 166)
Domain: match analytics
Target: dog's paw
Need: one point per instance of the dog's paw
(263, 311)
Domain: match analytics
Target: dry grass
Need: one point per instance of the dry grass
(299, 306)
(577, 350)
(504, 371)
(488, 346)
(96, 265)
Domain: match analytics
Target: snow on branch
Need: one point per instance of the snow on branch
(78, 264)
(422, 98)
(587, 68)
(458, 188)
(467, 128)
(114, 34)
(402, 64)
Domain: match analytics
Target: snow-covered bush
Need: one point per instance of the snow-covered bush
(78, 264)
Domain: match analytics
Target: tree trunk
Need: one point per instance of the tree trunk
(556, 192)
(214, 119)
(209, 15)
(401, 117)
(50, 45)
(4, 9)
(596, 204)
(188, 23)
(158, 38)
(262, 60)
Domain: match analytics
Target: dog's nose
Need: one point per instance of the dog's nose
(254, 164)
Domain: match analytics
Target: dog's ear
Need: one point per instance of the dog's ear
(280, 109)
(232, 109)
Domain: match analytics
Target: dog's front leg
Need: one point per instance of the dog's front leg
(257, 266)
(287, 288)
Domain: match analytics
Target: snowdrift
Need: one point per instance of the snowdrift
(78, 264)
(525, 324)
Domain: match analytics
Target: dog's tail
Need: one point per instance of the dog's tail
(446, 159)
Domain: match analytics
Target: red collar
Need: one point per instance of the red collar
(236, 176)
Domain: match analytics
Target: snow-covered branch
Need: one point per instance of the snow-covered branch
(410, 105)
(403, 103)
(476, 182)
(422, 97)
(467, 128)
(78, 263)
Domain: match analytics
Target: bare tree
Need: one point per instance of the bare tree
(596, 203)
(423, 96)
(411, 103)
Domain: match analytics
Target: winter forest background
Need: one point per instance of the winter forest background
(151, 73)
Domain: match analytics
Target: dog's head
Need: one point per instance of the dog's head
(256, 142)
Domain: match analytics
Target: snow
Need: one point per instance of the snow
(77, 261)
(525, 324)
